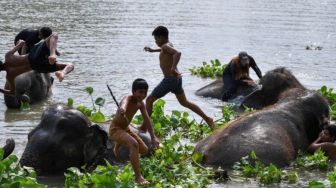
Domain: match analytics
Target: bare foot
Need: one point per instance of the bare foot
(211, 123)
(52, 59)
(59, 75)
(141, 181)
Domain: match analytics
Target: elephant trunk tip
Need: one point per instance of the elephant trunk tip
(8, 148)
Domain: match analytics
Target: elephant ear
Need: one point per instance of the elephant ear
(95, 144)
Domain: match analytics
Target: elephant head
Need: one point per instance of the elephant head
(276, 84)
(30, 87)
(215, 90)
(64, 138)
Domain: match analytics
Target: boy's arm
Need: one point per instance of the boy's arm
(123, 104)
(176, 57)
(148, 49)
(147, 121)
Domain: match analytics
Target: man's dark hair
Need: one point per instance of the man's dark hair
(161, 31)
(332, 130)
(139, 83)
(45, 32)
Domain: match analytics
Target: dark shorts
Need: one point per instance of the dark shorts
(38, 58)
(168, 84)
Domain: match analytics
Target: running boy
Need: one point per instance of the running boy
(119, 129)
(42, 58)
(172, 81)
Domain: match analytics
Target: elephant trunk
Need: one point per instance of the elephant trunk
(8, 148)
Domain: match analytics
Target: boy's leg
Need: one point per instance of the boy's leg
(13, 60)
(122, 137)
(52, 44)
(63, 69)
(143, 149)
(192, 106)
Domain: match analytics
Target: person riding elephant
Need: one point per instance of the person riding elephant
(65, 138)
(288, 122)
(236, 73)
(31, 87)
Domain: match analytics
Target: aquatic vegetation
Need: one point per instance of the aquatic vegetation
(331, 97)
(102, 176)
(93, 114)
(213, 69)
(172, 165)
(12, 175)
(24, 106)
(251, 167)
(316, 161)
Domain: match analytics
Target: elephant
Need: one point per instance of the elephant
(216, 89)
(8, 148)
(30, 87)
(65, 138)
(289, 118)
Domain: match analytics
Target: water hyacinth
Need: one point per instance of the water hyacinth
(213, 69)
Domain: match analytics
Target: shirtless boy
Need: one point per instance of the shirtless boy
(326, 141)
(122, 135)
(172, 81)
(42, 58)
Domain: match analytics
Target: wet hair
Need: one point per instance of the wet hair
(45, 32)
(2, 66)
(161, 31)
(332, 131)
(242, 54)
(139, 83)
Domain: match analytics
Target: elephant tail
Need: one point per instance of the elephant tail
(8, 148)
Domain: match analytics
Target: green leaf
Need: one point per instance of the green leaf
(97, 117)
(24, 106)
(100, 101)
(197, 157)
(89, 90)
(70, 102)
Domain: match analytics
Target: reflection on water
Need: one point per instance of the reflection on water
(105, 40)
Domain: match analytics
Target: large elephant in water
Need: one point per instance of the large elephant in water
(65, 138)
(291, 119)
(30, 87)
(216, 89)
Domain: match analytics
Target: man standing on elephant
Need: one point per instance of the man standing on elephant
(42, 58)
(237, 73)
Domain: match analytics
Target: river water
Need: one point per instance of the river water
(105, 40)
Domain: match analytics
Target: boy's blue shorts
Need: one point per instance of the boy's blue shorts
(168, 84)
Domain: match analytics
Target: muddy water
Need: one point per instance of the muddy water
(105, 40)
